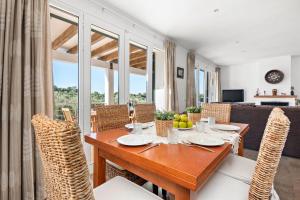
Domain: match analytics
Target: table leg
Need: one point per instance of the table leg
(99, 168)
(182, 194)
(241, 147)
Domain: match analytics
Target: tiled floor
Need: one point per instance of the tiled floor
(287, 180)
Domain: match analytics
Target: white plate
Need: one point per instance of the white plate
(135, 140)
(225, 127)
(144, 125)
(206, 141)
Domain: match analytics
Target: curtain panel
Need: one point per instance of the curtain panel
(190, 86)
(25, 89)
(171, 94)
(218, 85)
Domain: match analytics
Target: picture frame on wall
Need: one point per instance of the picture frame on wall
(180, 72)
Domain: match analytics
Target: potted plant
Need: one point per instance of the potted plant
(194, 113)
(163, 121)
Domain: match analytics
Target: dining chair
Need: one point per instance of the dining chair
(242, 168)
(112, 117)
(144, 112)
(65, 167)
(259, 186)
(67, 114)
(221, 112)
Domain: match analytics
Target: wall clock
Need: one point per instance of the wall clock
(274, 76)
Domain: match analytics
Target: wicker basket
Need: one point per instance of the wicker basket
(194, 117)
(162, 127)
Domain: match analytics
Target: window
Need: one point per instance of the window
(201, 87)
(104, 67)
(138, 73)
(64, 38)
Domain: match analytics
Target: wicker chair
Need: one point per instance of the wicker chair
(67, 114)
(65, 168)
(260, 185)
(144, 112)
(112, 117)
(221, 112)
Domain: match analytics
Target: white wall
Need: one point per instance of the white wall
(250, 76)
(295, 71)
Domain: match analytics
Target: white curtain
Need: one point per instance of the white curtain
(171, 94)
(190, 86)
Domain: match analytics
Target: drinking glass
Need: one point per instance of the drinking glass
(200, 126)
(137, 128)
(172, 136)
(211, 121)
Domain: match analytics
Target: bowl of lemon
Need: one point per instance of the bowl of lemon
(181, 122)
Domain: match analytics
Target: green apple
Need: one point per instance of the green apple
(175, 124)
(177, 117)
(182, 124)
(183, 118)
(189, 124)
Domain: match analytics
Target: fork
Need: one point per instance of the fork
(194, 145)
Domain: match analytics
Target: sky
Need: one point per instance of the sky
(65, 74)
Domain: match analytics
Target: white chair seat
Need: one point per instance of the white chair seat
(219, 187)
(119, 188)
(238, 167)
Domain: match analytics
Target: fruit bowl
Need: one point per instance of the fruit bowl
(181, 122)
(184, 129)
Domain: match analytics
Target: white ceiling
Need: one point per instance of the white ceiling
(240, 31)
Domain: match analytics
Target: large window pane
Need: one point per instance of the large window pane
(104, 67)
(201, 87)
(64, 37)
(138, 73)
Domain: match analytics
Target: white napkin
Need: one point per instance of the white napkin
(231, 137)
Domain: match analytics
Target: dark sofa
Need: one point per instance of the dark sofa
(257, 117)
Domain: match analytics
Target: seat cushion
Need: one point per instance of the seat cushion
(220, 186)
(238, 167)
(119, 188)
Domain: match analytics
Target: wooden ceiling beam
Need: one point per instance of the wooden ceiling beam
(140, 66)
(136, 55)
(110, 57)
(64, 37)
(138, 61)
(96, 37)
(107, 47)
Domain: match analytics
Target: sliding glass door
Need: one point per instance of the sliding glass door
(64, 38)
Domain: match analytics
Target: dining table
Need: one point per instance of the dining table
(177, 168)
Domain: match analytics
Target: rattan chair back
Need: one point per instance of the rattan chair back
(271, 147)
(65, 168)
(111, 117)
(221, 112)
(67, 114)
(144, 113)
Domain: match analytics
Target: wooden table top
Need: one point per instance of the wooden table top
(187, 166)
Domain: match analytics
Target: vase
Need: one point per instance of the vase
(194, 117)
(162, 127)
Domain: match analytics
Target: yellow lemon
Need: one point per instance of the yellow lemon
(182, 125)
(175, 124)
(190, 124)
(177, 117)
(183, 118)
